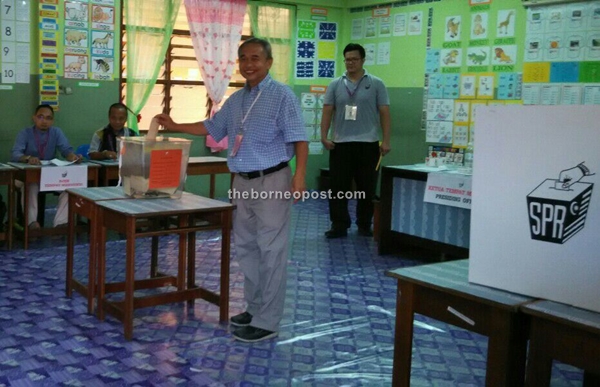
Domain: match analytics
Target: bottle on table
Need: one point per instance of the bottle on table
(469, 155)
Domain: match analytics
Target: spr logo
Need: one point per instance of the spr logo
(558, 207)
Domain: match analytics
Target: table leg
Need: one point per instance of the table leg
(591, 379)
(70, 247)
(404, 335)
(129, 278)
(539, 361)
(191, 260)
(11, 212)
(154, 258)
(507, 350)
(93, 259)
(26, 214)
(225, 256)
(212, 185)
(101, 259)
(183, 222)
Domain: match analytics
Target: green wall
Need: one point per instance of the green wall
(85, 110)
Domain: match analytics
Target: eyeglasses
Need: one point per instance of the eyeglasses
(43, 117)
(352, 60)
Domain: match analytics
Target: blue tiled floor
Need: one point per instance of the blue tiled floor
(338, 327)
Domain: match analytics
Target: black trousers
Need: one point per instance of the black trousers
(350, 161)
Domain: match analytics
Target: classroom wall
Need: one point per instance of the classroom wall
(84, 110)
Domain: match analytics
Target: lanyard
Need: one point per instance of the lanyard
(351, 94)
(251, 106)
(41, 148)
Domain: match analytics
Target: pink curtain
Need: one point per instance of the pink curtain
(216, 30)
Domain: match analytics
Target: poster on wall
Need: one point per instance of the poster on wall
(15, 43)
(316, 49)
(415, 23)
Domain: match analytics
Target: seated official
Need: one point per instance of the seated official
(104, 141)
(34, 144)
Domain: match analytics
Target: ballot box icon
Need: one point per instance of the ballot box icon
(556, 215)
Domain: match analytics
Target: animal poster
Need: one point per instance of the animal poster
(76, 15)
(467, 86)
(439, 132)
(451, 57)
(506, 23)
(479, 25)
(103, 18)
(485, 86)
(504, 55)
(103, 43)
(75, 66)
(453, 28)
(102, 68)
(76, 41)
(478, 56)
(415, 23)
(440, 110)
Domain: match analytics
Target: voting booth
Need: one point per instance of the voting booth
(535, 215)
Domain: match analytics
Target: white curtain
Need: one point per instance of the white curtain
(216, 30)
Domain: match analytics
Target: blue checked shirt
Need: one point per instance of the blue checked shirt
(271, 128)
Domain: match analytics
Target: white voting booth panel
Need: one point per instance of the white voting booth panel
(535, 215)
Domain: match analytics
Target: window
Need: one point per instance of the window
(179, 88)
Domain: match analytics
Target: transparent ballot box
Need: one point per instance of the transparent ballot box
(153, 168)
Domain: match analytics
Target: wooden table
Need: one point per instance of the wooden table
(565, 333)
(442, 291)
(83, 202)
(184, 217)
(7, 179)
(206, 165)
(31, 174)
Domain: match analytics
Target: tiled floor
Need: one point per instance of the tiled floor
(337, 329)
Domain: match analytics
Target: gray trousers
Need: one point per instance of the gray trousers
(261, 231)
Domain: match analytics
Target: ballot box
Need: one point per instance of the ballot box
(535, 215)
(153, 168)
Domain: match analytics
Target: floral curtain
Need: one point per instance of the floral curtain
(149, 25)
(216, 30)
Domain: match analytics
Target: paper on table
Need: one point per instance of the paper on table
(152, 130)
(61, 163)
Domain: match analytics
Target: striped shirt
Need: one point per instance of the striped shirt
(273, 124)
